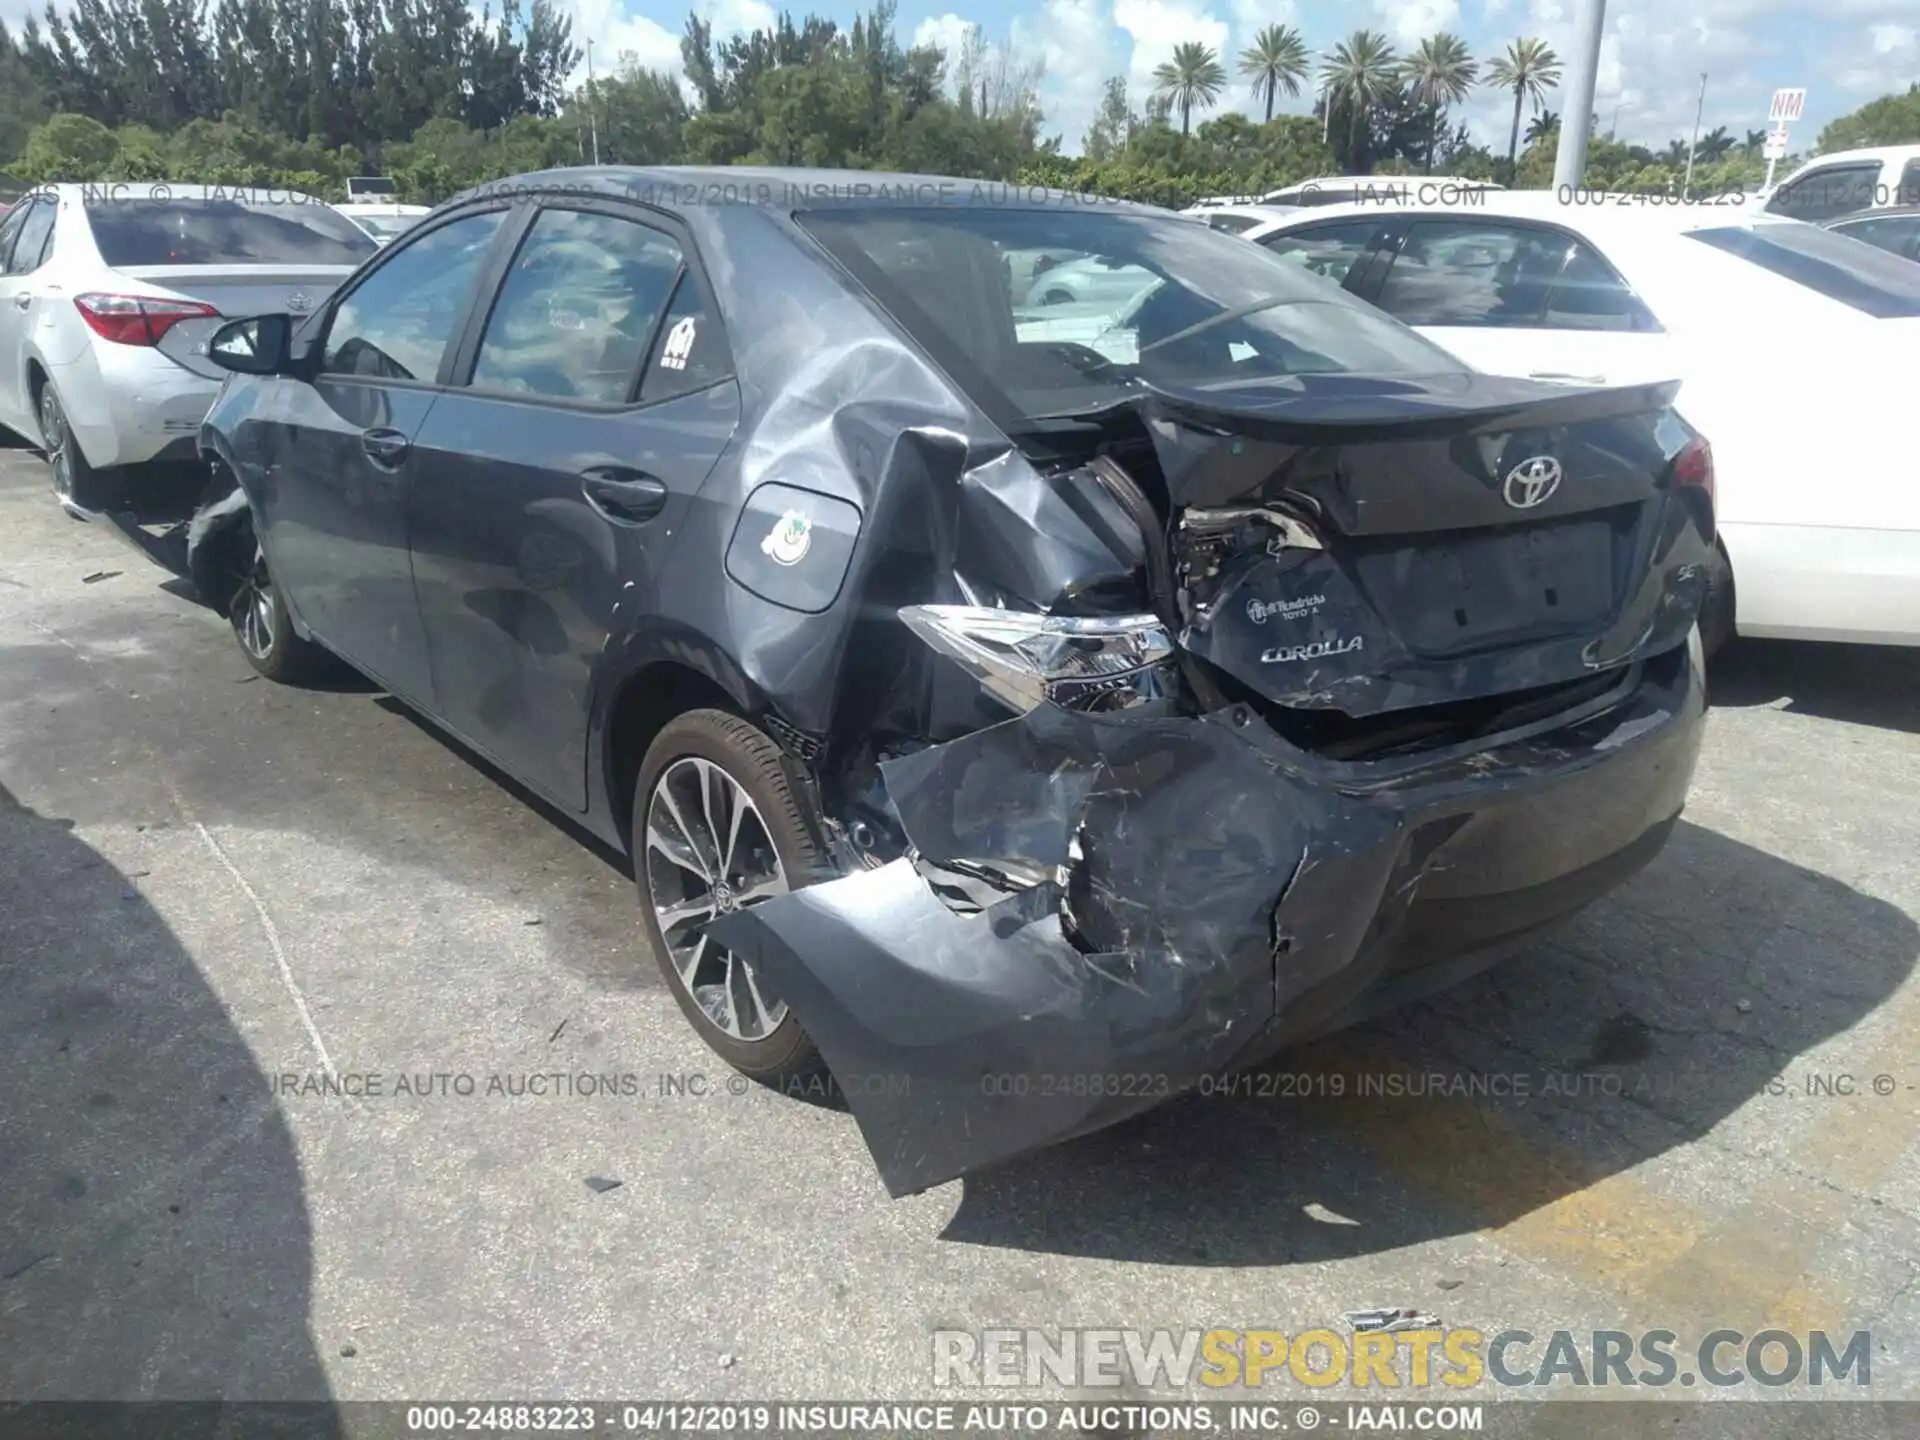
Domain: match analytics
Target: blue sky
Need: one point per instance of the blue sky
(1844, 52)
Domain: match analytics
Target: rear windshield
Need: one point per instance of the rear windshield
(1043, 312)
(1836, 266)
(223, 232)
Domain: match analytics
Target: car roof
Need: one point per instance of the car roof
(1254, 212)
(1883, 153)
(772, 187)
(1618, 214)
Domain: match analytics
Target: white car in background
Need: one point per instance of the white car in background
(1377, 189)
(108, 296)
(382, 220)
(1847, 182)
(1239, 219)
(1794, 346)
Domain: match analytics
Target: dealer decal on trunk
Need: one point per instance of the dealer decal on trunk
(1319, 650)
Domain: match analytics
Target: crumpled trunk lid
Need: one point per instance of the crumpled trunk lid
(1362, 545)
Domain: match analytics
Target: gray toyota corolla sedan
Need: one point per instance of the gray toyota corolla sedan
(1023, 712)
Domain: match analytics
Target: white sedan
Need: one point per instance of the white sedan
(1796, 349)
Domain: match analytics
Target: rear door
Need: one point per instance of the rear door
(25, 238)
(596, 394)
(1516, 298)
(333, 456)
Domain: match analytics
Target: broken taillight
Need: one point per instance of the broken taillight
(1694, 466)
(136, 319)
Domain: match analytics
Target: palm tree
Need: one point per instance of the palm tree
(1192, 77)
(1277, 60)
(1529, 69)
(1541, 126)
(1438, 74)
(1714, 146)
(1360, 71)
(1755, 142)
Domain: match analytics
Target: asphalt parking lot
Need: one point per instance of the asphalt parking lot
(210, 884)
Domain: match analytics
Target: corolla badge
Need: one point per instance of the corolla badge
(1319, 650)
(787, 543)
(1531, 482)
(299, 303)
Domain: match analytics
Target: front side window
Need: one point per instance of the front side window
(578, 308)
(10, 225)
(1825, 193)
(1331, 250)
(1899, 234)
(397, 323)
(227, 229)
(1232, 224)
(30, 244)
(1828, 264)
(1153, 299)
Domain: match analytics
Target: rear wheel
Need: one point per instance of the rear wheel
(718, 825)
(76, 484)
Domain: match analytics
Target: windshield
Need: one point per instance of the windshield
(1047, 312)
(223, 231)
(1836, 266)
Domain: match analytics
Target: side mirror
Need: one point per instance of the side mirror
(257, 345)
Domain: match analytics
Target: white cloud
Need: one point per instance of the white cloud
(945, 31)
(1408, 22)
(1891, 39)
(616, 30)
(1156, 26)
(1074, 40)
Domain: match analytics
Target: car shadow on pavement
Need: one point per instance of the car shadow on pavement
(1695, 988)
(154, 1238)
(1876, 685)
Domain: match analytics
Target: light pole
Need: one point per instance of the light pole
(593, 121)
(1570, 160)
(1686, 186)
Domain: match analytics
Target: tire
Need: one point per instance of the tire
(724, 1002)
(262, 626)
(1716, 606)
(76, 484)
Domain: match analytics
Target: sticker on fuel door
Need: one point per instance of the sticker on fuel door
(793, 546)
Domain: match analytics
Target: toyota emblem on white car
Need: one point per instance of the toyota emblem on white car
(299, 303)
(1531, 482)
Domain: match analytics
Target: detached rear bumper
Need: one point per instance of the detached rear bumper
(1229, 896)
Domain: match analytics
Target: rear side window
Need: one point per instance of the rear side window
(1331, 250)
(223, 231)
(1829, 264)
(1232, 224)
(9, 227)
(30, 244)
(1823, 194)
(690, 353)
(1473, 273)
(579, 308)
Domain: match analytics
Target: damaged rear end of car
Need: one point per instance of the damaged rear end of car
(1238, 706)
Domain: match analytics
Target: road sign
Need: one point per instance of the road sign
(1787, 105)
(1776, 146)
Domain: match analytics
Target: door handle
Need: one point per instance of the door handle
(1565, 378)
(386, 448)
(22, 301)
(623, 495)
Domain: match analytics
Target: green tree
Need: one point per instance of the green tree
(1438, 75)
(1192, 77)
(1275, 61)
(1544, 126)
(1530, 69)
(1360, 74)
(1890, 120)
(1113, 123)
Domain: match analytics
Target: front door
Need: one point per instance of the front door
(597, 400)
(335, 456)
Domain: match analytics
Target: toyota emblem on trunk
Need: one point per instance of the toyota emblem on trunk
(1531, 482)
(299, 303)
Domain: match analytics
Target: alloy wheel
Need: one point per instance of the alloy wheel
(251, 608)
(58, 442)
(709, 853)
